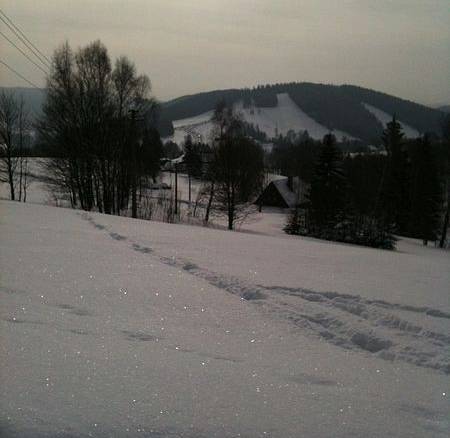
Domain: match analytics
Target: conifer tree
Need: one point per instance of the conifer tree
(446, 180)
(426, 196)
(327, 191)
(152, 152)
(192, 158)
(394, 205)
(294, 223)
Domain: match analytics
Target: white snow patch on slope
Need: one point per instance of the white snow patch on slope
(130, 328)
(284, 117)
(202, 118)
(273, 121)
(384, 118)
(198, 127)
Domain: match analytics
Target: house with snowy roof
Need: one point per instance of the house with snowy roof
(289, 192)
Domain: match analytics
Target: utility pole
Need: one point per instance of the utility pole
(133, 165)
(176, 189)
(189, 179)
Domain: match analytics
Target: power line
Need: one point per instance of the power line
(25, 37)
(19, 75)
(23, 40)
(23, 53)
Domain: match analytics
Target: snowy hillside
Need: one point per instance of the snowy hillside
(199, 128)
(284, 117)
(124, 328)
(384, 118)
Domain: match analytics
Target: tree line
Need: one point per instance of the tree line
(335, 107)
(99, 131)
(99, 128)
(369, 198)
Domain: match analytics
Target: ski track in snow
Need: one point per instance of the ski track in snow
(348, 321)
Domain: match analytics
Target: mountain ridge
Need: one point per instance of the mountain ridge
(335, 107)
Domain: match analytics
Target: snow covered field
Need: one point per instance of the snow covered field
(271, 221)
(273, 121)
(37, 192)
(112, 327)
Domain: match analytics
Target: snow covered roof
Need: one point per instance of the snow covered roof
(286, 193)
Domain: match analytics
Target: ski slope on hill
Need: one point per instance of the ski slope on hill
(384, 118)
(284, 117)
(120, 327)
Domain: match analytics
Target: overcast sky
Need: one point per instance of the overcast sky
(401, 47)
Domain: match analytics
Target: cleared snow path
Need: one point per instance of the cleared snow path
(352, 322)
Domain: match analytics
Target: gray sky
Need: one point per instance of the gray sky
(401, 47)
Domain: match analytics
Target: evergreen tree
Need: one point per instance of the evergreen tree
(152, 152)
(171, 150)
(446, 179)
(294, 223)
(394, 205)
(327, 191)
(426, 197)
(192, 158)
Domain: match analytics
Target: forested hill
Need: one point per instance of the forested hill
(335, 107)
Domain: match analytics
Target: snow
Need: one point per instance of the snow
(384, 118)
(36, 191)
(120, 327)
(198, 127)
(273, 121)
(205, 117)
(284, 117)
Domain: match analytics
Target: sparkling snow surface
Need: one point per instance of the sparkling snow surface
(273, 121)
(113, 327)
(384, 118)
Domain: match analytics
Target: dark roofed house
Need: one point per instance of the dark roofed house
(283, 193)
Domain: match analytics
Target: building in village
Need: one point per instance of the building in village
(289, 192)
